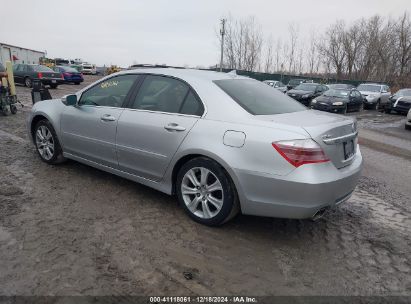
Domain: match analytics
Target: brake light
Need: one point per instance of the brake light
(62, 76)
(40, 75)
(300, 152)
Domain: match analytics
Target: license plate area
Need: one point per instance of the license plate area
(348, 149)
(54, 81)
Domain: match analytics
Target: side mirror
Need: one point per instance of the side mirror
(70, 100)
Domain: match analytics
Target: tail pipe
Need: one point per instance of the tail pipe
(319, 214)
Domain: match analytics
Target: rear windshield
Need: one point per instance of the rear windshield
(41, 68)
(69, 69)
(257, 98)
(404, 92)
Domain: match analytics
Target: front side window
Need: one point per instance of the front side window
(109, 93)
(257, 98)
(162, 94)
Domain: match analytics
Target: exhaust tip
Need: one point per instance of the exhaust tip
(319, 214)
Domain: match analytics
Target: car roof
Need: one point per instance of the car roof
(186, 74)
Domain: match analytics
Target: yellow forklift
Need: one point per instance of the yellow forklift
(8, 97)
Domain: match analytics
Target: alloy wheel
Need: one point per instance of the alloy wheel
(45, 142)
(202, 192)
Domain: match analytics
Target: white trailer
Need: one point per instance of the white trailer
(18, 54)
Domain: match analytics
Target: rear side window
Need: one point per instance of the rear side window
(257, 98)
(162, 94)
(192, 106)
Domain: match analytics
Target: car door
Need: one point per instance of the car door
(17, 73)
(154, 124)
(358, 99)
(385, 94)
(89, 129)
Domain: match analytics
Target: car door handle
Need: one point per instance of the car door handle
(108, 117)
(174, 127)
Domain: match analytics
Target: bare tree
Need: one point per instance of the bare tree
(333, 47)
(268, 63)
(293, 31)
(243, 44)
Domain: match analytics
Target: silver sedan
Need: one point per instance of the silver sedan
(222, 143)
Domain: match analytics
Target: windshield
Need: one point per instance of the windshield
(257, 98)
(369, 88)
(294, 81)
(41, 68)
(337, 93)
(69, 69)
(402, 93)
(340, 86)
(306, 87)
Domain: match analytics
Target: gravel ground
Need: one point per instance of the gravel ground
(74, 230)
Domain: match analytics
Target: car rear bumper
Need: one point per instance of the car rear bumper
(49, 81)
(300, 194)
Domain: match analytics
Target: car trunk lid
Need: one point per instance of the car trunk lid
(336, 134)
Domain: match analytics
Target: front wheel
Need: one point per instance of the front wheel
(206, 192)
(27, 82)
(53, 86)
(47, 143)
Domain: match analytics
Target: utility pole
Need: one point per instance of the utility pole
(222, 32)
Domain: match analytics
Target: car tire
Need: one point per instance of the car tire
(77, 83)
(47, 144)
(361, 107)
(211, 206)
(13, 109)
(28, 82)
(54, 86)
(407, 127)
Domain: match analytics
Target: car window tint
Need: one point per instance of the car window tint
(109, 93)
(162, 94)
(257, 98)
(192, 106)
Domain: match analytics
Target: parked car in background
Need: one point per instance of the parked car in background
(88, 68)
(277, 85)
(408, 121)
(294, 82)
(305, 92)
(26, 73)
(341, 86)
(221, 143)
(400, 102)
(71, 75)
(375, 95)
(338, 101)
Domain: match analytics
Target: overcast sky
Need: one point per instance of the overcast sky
(175, 32)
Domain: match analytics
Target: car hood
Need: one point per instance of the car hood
(403, 98)
(329, 99)
(300, 92)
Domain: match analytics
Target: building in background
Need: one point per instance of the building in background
(18, 54)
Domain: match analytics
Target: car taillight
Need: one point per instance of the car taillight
(62, 76)
(300, 152)
(40, 75)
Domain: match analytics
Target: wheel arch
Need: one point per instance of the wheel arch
(194, 154)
